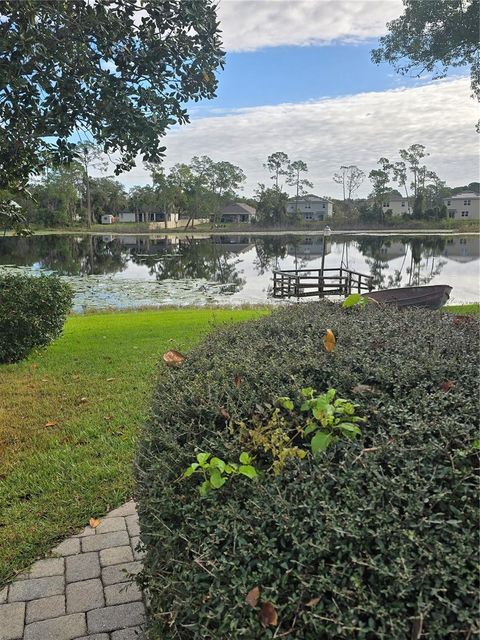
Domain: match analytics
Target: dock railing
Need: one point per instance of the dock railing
(302, 283)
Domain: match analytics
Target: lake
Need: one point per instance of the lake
(120, 272)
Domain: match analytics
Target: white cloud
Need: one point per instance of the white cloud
(327, 133)
(252, 24)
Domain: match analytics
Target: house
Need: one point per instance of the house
(237, 212)
(398, 205)
(310, 208)
(462, 249)
(107, 219)
(463, 206)
(310, 247)
(167, 220)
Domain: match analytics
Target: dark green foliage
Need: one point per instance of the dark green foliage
(120, 71)
(32, 313)
(382, 529)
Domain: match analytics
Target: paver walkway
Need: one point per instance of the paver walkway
(84, 590)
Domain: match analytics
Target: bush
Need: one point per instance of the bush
(32, 313)
(375, 538)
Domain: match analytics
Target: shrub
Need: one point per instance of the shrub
(374, 538)
(32, 313)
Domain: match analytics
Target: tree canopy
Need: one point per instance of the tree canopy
(433, 36)
(118, 72)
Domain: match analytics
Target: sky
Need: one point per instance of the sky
(298, 78)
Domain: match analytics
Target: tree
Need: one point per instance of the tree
(380, 180)
(121, 71)
(271, 205)
(433, 36)
(350, 177)
(294, 180)
(278, 164)
(108, 197)
(91, 158)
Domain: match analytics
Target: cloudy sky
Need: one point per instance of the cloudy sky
(299, 79)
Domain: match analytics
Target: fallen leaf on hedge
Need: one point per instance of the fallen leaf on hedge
(224, 413)
(268, 615)
(363, 388)
(313, 602)
(51, 423)
(329, 341)
(252, 597)
(237, 380)
(93, 522)
(173, 358)
(447, 385)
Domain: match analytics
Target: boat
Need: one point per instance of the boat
(428, 297)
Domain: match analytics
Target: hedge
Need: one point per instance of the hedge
(375, 538)
(32, 313)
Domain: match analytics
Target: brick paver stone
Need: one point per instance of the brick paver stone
(45, 608)
(115, 556)
(134, 633)
(85, 595)
(120, 572)
(64, 628)
(132, 525)
(3, 595)
(137, 553)
(68, 547)
(25, 590)
(96, 636)
(84, 566)
(105, 541)
(44, 568)
(11, 620)
(107, 525)
(123, 592)
(120, 616)
(127, 509)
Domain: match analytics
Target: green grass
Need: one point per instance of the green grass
(464, 309)
(69, 419)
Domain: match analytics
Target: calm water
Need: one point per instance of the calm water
(156, 270)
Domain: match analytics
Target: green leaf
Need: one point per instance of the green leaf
(311, 426)
(216, 463)
(245, 458)
(354, 299)
(476, 444)
(229, 469)
(307, 392)
(217, 480)
(204, 488)
(248, 470)
(349, 428)
(286, 403)
(202, 458)
(191, 469)
(320, 441)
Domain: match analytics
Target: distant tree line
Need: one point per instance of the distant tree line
(69, 195)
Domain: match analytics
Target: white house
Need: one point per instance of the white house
(237, 212)
(107, 219)
(310, 207)
(126, 217)
(398, 205)
(463, 206)
(167, 220)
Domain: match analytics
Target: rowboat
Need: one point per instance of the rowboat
(429, 297)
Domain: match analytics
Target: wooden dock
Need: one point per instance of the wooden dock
(303, 283)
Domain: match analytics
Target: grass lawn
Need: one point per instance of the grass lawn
(69, 417)
(465, 309)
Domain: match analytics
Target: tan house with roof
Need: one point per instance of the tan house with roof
(398, 205)
(463, 206)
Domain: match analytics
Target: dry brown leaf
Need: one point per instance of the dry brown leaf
(107, 417)
(313, 602)
(224, 413)
(51, 423)
(252, 597)
(110, 379)
(237, 381)
(268, 615)
(173, 358)
(363, 388)
(93, 522)
(447, 385)
(329, 341)
(82, 400)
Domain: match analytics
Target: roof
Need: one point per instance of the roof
(394, 196)
(309, 197)
(238, 208)
(466, 195)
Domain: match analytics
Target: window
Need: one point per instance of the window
(451, 214)
(386, 204)
(323, 206)
(449, 202)
(466, 203)
(463, 241)
(464, 214)
(403, 204)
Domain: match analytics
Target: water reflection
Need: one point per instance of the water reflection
(137, 270)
